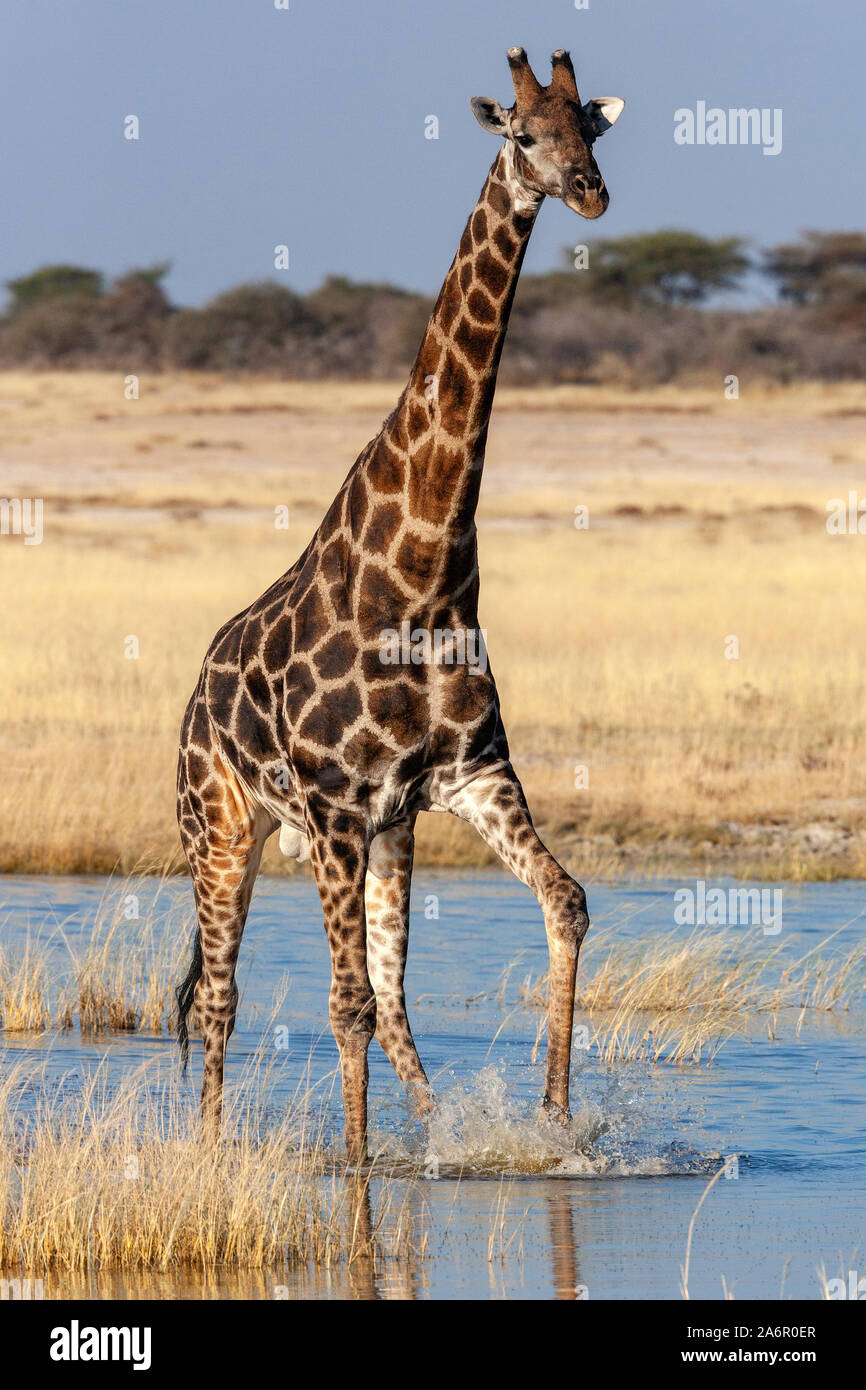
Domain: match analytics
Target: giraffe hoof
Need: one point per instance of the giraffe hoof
(551, 1113)
(424, 1101)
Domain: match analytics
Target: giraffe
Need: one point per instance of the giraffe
(302, 721)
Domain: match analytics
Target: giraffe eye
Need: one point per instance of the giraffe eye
(525, 141)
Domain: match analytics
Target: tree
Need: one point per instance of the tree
(151, 275)
(822, 267)
(52, 281)
(665, 267)
(137, 296)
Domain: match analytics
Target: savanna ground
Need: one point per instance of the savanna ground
(643, 745)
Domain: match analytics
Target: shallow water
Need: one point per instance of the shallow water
(602, 1212)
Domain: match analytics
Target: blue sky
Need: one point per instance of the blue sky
(306, 127)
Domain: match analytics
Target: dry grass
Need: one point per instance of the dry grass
(676, 999)
(122, 984)
(121, 979)
(706, 970)
(24, 979)
(706, 520)
(684, 1268)
(122, 1183)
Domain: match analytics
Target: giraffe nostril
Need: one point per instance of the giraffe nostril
(579, 184)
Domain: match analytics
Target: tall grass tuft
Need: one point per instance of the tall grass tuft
(116, 1179)
(24, 1003)
(124, 977)
(118, 976)
(677, 1000)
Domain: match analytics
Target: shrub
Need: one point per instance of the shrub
(245, 327)
(63, 330)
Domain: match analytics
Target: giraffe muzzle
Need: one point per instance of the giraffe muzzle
(586, 194)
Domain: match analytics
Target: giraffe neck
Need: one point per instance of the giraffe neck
(431, 449)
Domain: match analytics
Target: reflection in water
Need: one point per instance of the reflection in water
(563, 1250)
(170, 1285)
(367, 1275)
(401, 1277)
(370, 1277)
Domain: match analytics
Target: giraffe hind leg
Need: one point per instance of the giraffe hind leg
(223, 851)
(386, 896)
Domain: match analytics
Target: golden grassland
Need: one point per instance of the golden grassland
(706, 522)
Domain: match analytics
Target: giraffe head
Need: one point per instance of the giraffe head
(551, 133)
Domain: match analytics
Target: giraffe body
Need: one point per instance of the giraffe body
(307, 717)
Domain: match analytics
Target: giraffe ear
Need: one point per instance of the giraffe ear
(489, 114)
(603, 111)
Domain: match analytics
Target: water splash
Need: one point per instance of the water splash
(480, 1128)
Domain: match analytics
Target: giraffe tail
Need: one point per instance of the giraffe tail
(184, 996)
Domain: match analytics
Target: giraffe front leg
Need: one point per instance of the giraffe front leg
(386, 894)
(494, 803)
(339, 849)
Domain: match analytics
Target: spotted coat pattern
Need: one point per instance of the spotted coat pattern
(296, 723)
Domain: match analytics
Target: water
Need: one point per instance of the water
(602, 1213)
